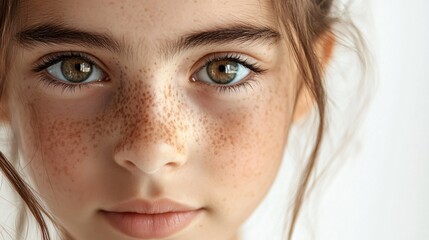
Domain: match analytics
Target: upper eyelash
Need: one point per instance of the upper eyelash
(50, 60)
(238, 58)
(246, 84)
(243, 60)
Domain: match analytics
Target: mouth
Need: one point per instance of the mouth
(146, 220)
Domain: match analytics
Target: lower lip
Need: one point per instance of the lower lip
(146, 226)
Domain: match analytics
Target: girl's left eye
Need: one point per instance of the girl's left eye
(76, 70)
(222, 72)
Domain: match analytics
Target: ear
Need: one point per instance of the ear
(304, 102)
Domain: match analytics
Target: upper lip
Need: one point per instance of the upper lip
(142, 206)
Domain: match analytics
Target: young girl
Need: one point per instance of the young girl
(158, 119)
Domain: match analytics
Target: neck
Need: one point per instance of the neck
(235, 237)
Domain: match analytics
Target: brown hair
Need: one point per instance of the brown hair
(8, 9)
(302, 22)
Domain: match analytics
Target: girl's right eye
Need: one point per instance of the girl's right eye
(75, 70)
(69, 70)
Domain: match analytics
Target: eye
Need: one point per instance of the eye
(75, 69)
(222, 72)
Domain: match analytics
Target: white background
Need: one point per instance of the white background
(383, 192)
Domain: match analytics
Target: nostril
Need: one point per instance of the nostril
(130, 164)
(146, 169)
(172, 164)
(150, 158)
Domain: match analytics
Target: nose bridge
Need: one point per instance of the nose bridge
(152, 132)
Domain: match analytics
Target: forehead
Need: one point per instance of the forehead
(137, 18)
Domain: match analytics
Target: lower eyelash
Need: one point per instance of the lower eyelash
(245, 85)
(66, 87)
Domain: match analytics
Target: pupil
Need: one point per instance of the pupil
(77, 67)
(222, 68)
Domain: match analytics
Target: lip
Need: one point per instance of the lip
(150, 219)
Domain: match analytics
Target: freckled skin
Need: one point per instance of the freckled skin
(149, 131)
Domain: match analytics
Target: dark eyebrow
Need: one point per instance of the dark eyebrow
(59, 34)
(240, 34)
(62, 34)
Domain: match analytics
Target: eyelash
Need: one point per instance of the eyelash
(50, 60)
(256, 70)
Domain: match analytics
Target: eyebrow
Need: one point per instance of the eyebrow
(46, 34)
(239, 34)
(56, 34)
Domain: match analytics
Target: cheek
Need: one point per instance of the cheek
(55, 145)
(246, 148)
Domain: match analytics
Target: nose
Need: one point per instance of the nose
(152, 131)
(150, 158)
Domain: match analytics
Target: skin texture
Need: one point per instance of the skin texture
(149, 132)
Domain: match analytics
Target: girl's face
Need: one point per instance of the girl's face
(150, 119)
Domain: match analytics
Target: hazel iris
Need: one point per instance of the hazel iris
(76, 70)
(222, 71)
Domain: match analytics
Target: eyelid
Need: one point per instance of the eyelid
(48, 80)
(50, 59)
(245, 60)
